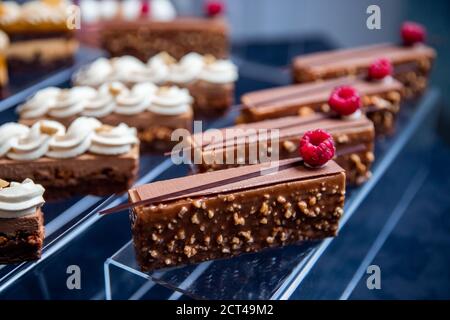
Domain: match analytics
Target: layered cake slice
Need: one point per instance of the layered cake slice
(144, 38)
(41, 34)
(209, 80)
(242, 144)
(154, 111)
(380, 100)
(87, 158)
(412, 61)
(226, 213)
(21, 221)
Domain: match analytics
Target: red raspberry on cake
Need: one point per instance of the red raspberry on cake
(380, 69)
(345, 100)
(213, 8)
(316, 148)
(145, 9)
(413, 33)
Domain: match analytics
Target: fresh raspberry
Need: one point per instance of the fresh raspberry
(316, 148)
(345, 100)
(413, 33)
(145, 9)
(213, 8)
(380, 69)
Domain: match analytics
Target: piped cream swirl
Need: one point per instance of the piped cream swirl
(160, 69)
(109, 140)
(51, 139)
(113, 97)
(20, 199)
(36, 143)
(75, 141)
(171, 100)
(220, 72)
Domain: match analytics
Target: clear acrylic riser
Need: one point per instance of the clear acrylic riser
(325, 269)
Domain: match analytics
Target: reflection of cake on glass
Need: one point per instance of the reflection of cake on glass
(40, 34)
(145, 28)
(21, 221)
(86, 158)
(154, 111)
(209, 80)
(4, 43)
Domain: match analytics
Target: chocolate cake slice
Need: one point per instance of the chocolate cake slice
(144, 38)
(380, 101)
(87, 158)
(21, 221)
(354, 141)
(42, 35)
(154, 111)
(412, 64)
(225, 213)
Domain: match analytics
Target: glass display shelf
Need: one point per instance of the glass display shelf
(277, 273)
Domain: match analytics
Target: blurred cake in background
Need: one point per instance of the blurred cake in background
(41, 33)
(4, 43)
(148, 27)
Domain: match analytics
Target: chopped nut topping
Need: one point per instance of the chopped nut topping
(303, 206)
(263, 221)
(305, 111)
(210, 214)
(190, 251)
(325, 107)
(230, 198)
(168, 261)
(154, 253)
(312, 201)
(238, 220)
(167, 58)
(219, 239)
(264, 208)
(3, 183)
(209, 59)
(289, 146)
(370, 156)
(235, 240)
(48, 130)
(114, 89)
(342, 138)
(288, 213)
(194, 219)
(181, 234)
(197, 204)
(270, 240)
(104, 128)
(281, 199)
(183, 210)
(225, 250)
